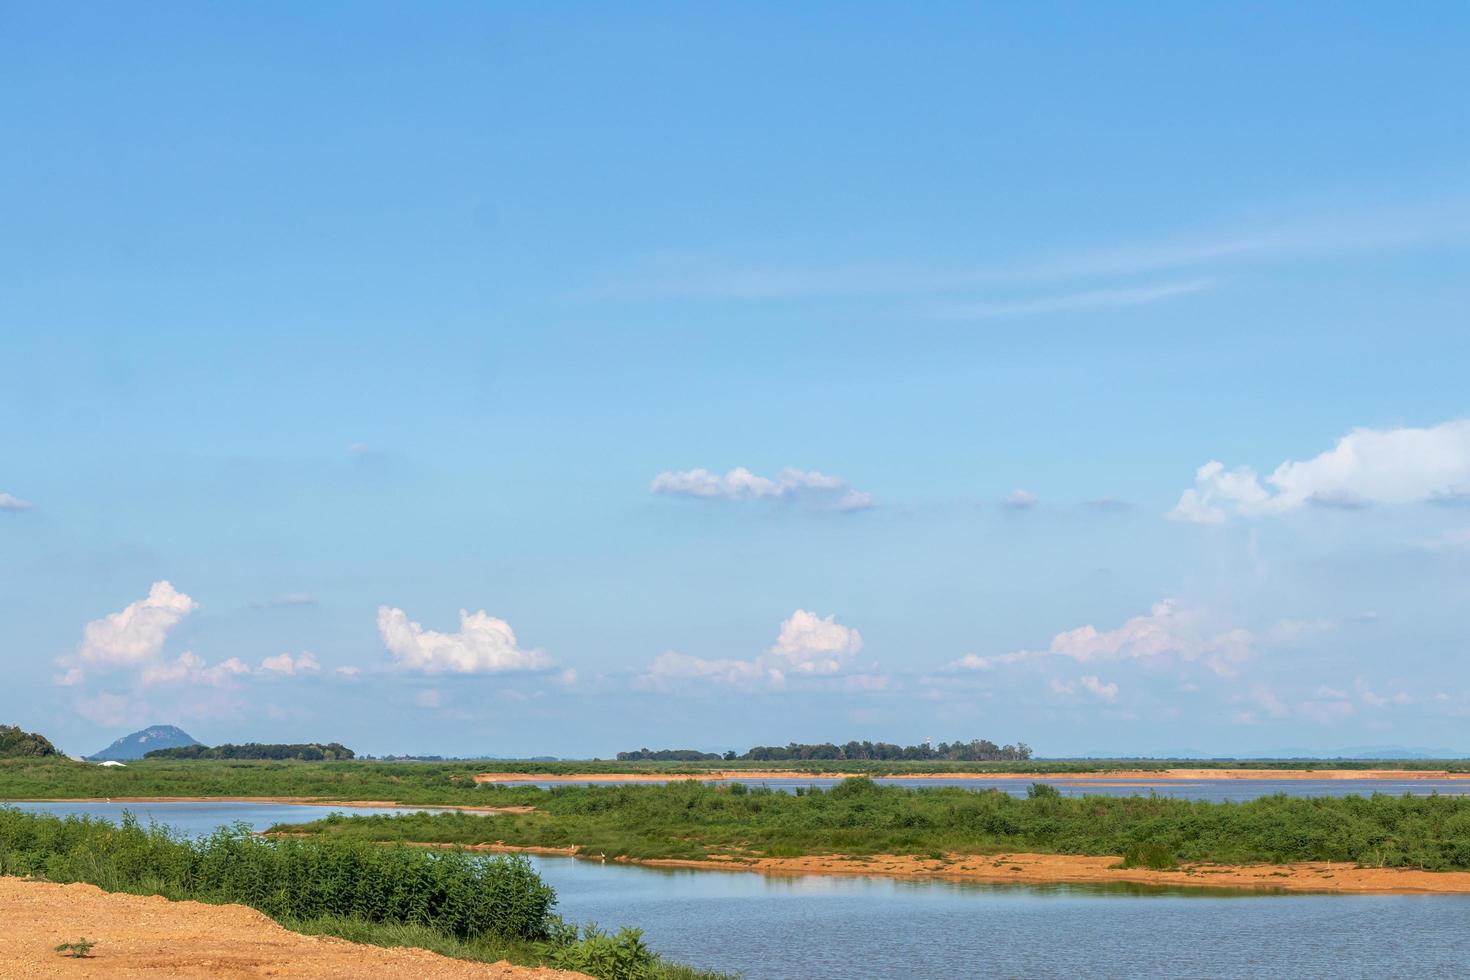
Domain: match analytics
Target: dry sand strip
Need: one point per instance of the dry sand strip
(151, 937)
(1143, 775)
(1055, 869)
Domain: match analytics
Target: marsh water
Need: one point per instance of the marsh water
(195, 818)
(886, 929)
(1214, 790)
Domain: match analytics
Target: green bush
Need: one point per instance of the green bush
(15, 743)
(607, 957)
(1150, 854)
(448, 891)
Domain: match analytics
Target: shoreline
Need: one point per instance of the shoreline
(283, 800)
(1109, 775)
(1323, 877)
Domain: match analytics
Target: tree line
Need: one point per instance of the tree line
(307, 752)
(975, 750)
(15, 743)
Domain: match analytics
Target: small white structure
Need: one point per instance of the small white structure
(111, 764)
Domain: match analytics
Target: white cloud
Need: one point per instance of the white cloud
(807, 645)
(285, 665)
(189, 668)
(131, 637)
(973, 661)
(1084, 300)
(483, 645)
(1168, 631)
(1365, 467)
(741, 484)
(1060, 686)
(1203, 251)
(428, 699)
(1019, 499)
(11, 502)
(1095, 687)
(672, 667)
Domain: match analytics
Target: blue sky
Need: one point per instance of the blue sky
(744, 374)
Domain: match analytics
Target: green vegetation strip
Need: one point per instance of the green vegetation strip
(453, 783)
(690, 820)
(463, 905)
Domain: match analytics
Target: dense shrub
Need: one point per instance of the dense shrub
(447, 891)
(15, 743)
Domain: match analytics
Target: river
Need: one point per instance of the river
(888, 929)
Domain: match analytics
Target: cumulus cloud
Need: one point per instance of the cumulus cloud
(10, 502)
(807, 645)
(483, 645)
(741, 484)
(1365, 467)
(131, 637)
(810, 644)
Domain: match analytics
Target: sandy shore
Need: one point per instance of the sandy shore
(140, 937)
(1032, 869)
(1132, 775)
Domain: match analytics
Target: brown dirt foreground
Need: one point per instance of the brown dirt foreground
(1145, 775)
(1033, 869)
(152, 937)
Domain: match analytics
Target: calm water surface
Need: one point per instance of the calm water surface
(204, 818)
(884, 929)
(769, 928)
(1215, 790)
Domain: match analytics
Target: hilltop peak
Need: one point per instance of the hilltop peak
(143, 741)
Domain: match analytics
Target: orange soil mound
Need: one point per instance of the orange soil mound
(152, 937)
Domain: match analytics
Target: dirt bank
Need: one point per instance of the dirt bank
(1315, 876)
(1137, 775)
(152, 937)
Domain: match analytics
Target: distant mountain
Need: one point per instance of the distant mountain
(134, 746)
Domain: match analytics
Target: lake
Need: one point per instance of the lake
(887, 929)
(1214, 790)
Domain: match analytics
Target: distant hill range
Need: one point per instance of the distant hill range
(140, 743)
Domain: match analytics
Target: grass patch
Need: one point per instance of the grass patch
(858, 817)
(463, 905)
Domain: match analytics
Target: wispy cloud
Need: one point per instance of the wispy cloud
(1345, 231)
(1019, 499)
(740, 483)
(1086, 300)
(10, 502)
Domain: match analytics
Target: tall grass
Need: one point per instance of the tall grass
(470, 906)
(448, 892)
(453, 782)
